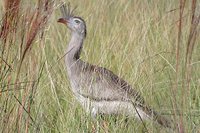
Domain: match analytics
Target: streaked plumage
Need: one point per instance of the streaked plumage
(98, 89)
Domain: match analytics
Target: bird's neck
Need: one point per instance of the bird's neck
(74, 48)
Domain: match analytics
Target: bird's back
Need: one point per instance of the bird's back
(100, 90)
(102, 84)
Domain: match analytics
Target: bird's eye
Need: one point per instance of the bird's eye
(77, 21)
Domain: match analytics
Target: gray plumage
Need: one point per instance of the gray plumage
(98, 89)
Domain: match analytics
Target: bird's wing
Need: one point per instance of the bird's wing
(102, 84)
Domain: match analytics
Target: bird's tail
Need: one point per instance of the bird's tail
(160, 119)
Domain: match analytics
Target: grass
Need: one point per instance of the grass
(144, 42)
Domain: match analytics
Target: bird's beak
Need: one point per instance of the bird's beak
(62, 20)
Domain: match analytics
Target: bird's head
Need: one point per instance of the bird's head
(75, 24)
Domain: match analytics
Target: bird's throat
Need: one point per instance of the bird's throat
(74, 49)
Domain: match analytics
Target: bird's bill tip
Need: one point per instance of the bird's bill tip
(62, 20)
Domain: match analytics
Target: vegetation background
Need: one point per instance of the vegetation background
(153, 44)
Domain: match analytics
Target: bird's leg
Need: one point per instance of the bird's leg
(95, 122)
(105, 126)
(101, 122)
(93, 129)
(94, 112)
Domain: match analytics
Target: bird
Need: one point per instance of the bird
(98, 89)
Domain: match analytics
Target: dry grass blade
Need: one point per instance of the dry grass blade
(20, 27)
(193, 33)
(11, 9)
(175, 88)
(188, 57)
(37, 22)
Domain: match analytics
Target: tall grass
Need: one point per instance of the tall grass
(154, 45)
